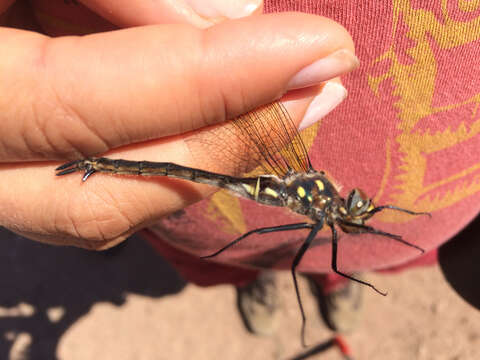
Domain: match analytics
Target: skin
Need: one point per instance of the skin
(135, 93)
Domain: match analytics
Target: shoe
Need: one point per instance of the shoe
(258, 304)
(341, 307)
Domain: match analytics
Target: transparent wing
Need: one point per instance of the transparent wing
(265, 139)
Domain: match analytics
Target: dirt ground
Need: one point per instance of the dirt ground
(129, 304)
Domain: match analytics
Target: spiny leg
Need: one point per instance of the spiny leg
(264, 230)
(371, 230)
(393, 207)
(334, 262)
(296, 261)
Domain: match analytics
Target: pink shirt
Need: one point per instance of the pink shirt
(408, 134)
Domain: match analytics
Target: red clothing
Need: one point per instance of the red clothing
(408, 134)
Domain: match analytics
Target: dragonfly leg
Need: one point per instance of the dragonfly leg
(393, 207)
(334, 262)
(371, 230)
(264, 230)
(296, 261)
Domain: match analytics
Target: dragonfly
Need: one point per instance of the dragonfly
(285, 178)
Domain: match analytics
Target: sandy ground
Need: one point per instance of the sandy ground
(129, 304)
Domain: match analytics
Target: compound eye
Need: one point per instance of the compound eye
(357, 202)
(362, 206)
(353, 198)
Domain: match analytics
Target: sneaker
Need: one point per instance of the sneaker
(258, 304)
(341, 307)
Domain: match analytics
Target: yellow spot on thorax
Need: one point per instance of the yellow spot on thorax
(320, 185)
(301, 192)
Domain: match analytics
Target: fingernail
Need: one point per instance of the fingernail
(331, 95)
(222, 8)
(338, 63)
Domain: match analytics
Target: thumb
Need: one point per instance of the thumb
(82, 96)
(200, 13)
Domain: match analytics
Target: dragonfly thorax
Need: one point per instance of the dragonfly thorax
(311, 194)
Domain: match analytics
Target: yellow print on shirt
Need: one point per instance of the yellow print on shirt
(415, 83)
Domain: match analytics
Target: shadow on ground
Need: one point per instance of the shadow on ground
(36, 278)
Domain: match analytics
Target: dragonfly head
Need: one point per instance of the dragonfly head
(358, 207)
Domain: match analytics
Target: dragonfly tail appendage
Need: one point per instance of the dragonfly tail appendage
(73, 166)
(69, 167)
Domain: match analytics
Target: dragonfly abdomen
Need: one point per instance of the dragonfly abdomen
(266, 190)
(144, 168)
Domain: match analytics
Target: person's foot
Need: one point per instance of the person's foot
(341, 307)
(258, 304)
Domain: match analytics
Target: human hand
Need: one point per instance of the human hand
(136, 93)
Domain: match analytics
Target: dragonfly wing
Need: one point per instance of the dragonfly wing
(263, 141)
